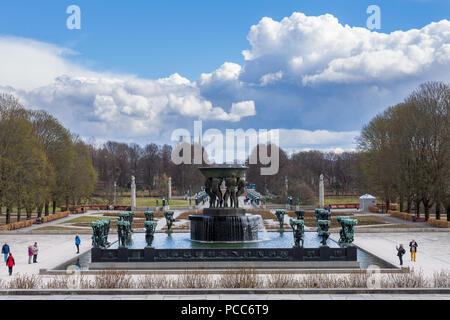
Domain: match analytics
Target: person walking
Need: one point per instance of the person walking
(30, 254)
(400, 252)
(413, 248)
(5, 251)
(77, 243)
(35, 252)
(10, 263)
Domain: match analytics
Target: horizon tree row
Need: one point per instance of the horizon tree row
(42, 164)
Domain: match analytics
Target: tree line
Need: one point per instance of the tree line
(406, 151)
(41, 163)
(403, 156)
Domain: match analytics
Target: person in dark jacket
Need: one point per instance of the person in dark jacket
(10, 263)
(5, 251)
(400, 252)
(35, 252)
(77, 243)
(413, 248)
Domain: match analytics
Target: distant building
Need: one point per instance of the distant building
(366, 201)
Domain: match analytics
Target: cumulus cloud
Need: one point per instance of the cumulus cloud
(108, 105)
(317, 49)
(317, 80)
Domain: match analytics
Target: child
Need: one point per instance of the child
(10, 263)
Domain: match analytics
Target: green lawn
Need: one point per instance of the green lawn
(86, 220)
(143, 202)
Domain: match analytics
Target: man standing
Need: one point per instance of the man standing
(413, 248)
(77, 243)
(10, 263)
(35, 252)
(5, 251)
(400, 252)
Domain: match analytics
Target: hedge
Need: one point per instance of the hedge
(401, 215)
(438, 223)
(17, 225)
(55, 216)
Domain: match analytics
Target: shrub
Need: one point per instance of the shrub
(438, 223)
(55, 216)
(411, 279)
(194, 280)
(17, 225)
(441, 279)
(59, 282)
(277, 280)
(111, 279)
(152, 281)
(401, 215)
(24, 281)
(240, 279)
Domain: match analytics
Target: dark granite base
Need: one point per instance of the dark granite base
(337, 255)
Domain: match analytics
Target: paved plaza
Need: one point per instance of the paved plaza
(53, 251)
(433, 253)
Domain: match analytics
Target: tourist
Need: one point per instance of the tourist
(5, 251)
(400, 252)
(35, 252)
(30, 254)
(413, 248)
(329, 208)
(77, 243)
(10, 263)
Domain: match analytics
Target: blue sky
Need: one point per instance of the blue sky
(157, 38)
(317, 89)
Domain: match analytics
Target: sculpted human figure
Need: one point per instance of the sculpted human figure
(150, 227)
(240, 190)
(231, 184)
(299, 231)
(212, 188)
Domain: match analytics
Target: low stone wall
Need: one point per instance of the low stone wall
(224, 255)
(438, 223)
(17, 225)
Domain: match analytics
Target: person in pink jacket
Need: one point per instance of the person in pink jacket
(30, 254)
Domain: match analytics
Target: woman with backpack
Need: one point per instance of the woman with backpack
(400, 252)
(10, 263)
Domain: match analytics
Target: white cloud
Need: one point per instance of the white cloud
(243, 109)
(317, 49)
(290, 138)
(28, 64)
(307, 72)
